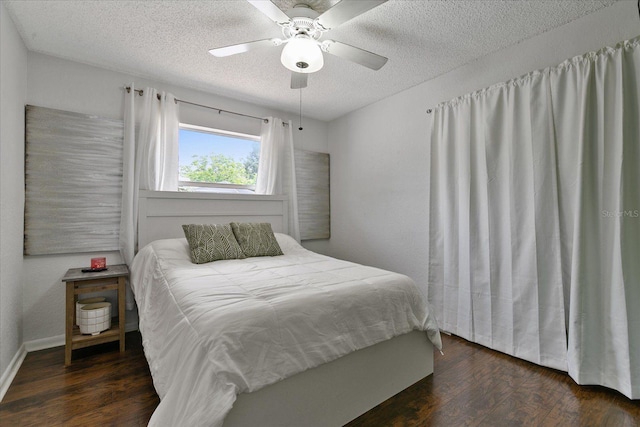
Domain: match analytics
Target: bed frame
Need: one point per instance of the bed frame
(328, 395)
(162, 213)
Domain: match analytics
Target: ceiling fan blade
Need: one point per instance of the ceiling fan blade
(271, 10)
(298, 80)
(242, 47)
(354, 54)
(344, 11)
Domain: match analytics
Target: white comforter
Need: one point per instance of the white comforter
(214, 330)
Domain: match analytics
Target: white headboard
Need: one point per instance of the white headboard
(162, 213)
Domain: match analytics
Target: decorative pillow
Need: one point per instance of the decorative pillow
(256, 239)
(211, 242)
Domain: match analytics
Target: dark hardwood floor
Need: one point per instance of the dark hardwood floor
(475, 386)
(472, 386)
(101, 387)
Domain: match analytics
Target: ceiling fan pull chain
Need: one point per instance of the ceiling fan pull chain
(300, 128)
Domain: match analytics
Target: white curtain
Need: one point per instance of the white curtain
(150, 158)
(276, 168)
(597, 116)
(535, 221)
(495, 271)
(157, 145)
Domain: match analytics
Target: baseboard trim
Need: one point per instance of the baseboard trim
(11, 371)
(131, 326)
(44, 343)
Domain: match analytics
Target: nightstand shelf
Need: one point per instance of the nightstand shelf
(79, 340)
(78, 283)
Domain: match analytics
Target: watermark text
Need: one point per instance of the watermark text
(632, 213)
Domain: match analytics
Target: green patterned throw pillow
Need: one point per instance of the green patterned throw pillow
(211, 242)
(256, 239)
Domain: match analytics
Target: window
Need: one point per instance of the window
(216, 160)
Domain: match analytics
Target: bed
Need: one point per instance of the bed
(290, 340)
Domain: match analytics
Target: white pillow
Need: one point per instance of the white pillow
(288, 244)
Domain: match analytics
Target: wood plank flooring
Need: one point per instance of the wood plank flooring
(472, 386)
(101, 387)
(476, 386)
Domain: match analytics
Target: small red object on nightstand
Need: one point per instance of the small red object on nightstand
(98, 263)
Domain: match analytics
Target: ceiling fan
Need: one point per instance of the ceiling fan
(302, 28)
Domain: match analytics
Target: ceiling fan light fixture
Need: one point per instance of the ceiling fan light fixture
(302, 55)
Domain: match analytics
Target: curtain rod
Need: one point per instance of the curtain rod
(219, 110)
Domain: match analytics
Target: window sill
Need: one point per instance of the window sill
(216, 190)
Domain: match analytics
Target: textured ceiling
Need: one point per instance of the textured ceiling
(169, 41)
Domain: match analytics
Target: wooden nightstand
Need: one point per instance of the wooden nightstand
(77, 282)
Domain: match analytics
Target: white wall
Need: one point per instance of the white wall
(380, 155)
(66, 85)
(13, 90)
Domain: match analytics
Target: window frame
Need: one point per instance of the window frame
(219, 132)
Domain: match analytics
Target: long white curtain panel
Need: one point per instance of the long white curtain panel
(495, 272)
(535, 217)
(597, 125)
(150, 158)
(277, 169)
